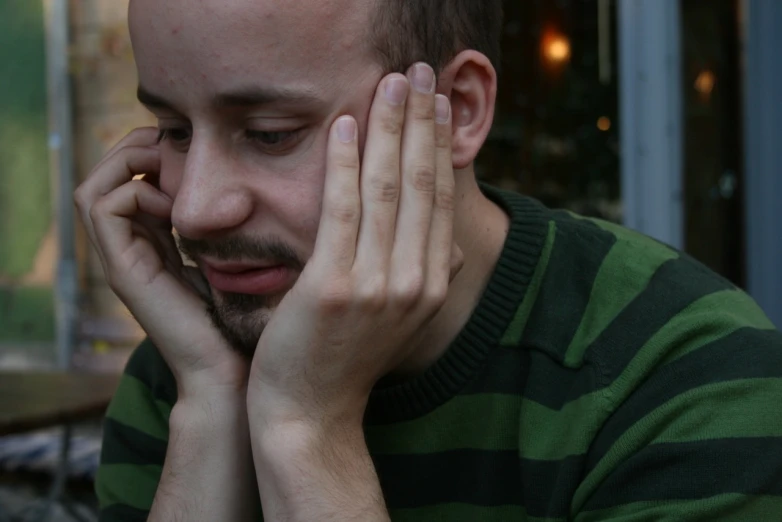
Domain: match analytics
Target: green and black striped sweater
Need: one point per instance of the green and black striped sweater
(603, 376)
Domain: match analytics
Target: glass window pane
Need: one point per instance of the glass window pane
(556, 128)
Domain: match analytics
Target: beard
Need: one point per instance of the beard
(242, 318)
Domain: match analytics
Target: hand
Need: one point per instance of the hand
(129, 222)
(380, 269)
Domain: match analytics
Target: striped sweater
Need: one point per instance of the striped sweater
(603, 376)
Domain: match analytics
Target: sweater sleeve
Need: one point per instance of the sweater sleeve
(694, 424)
(135, 435)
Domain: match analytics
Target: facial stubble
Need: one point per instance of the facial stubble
(241, 318)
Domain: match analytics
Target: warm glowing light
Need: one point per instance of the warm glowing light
(559, 50)
(556, 48)
(604, 123)
(705, 82)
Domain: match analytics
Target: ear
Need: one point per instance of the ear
(470, 81)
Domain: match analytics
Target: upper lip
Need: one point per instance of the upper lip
(237, 267)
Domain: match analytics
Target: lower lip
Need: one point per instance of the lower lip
(262, 281)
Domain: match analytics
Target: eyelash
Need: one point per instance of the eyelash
(253, 136)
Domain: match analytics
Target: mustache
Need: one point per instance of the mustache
(242, 247)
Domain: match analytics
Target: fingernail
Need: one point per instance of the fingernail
(346, 129)
(396, 90)
(423, 78)
(442, 108)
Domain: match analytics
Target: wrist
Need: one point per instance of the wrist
(304, 468)
(270, 408)
(210, 409)
(208, 466)
(205, 389)
(289, 454)
(284, 438)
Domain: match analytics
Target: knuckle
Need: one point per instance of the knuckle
(422, 112)
(410, 289)
(80, 198)
(97, 209)
(424, 178)
(384, 189)
(436, 295)
(348, 161)
(334, 298)
(445, 198)
(392, 123)
(344, 212)
(372, 295)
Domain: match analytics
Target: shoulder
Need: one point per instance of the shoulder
(661, 363)
(617, 303)
(686, 366)
(649, 314)
(606, 289)
(650, 301)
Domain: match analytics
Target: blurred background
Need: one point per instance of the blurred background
(664, 115)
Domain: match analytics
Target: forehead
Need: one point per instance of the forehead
(209, 42)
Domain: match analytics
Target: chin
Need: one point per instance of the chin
(242, 318)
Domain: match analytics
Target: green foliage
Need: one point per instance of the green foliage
(25, 204)
(26, 315)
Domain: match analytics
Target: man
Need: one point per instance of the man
(368, 333)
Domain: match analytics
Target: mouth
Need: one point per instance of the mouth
(248, 278)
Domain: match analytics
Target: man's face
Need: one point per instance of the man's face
(246, 91)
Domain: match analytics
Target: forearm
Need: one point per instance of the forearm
(311, 473)
(208, 473)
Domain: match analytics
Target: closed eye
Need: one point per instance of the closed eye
(178, 135)
(274, 142)
(270, 142)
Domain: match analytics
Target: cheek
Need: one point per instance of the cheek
(287, 192)
(301, 210)
(298, 199)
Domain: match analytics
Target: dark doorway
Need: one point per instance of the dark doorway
(556, 128)
(713, 156)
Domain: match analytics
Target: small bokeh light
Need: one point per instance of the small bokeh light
(705, 83)
(555, 47)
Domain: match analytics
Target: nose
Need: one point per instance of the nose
(210, 200)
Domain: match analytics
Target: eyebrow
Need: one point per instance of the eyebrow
(238, 98)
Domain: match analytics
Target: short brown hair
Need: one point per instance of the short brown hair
(435, 31)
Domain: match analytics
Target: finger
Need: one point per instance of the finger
(115, 172)
(195, 279)
(153, 178)
(162, 231)
(380, 178)
(163, 241)
(112, 216)
(418, 177)
(341, 212)
(121, 168)
(443, 261)
(140, 230)
(141, 137)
